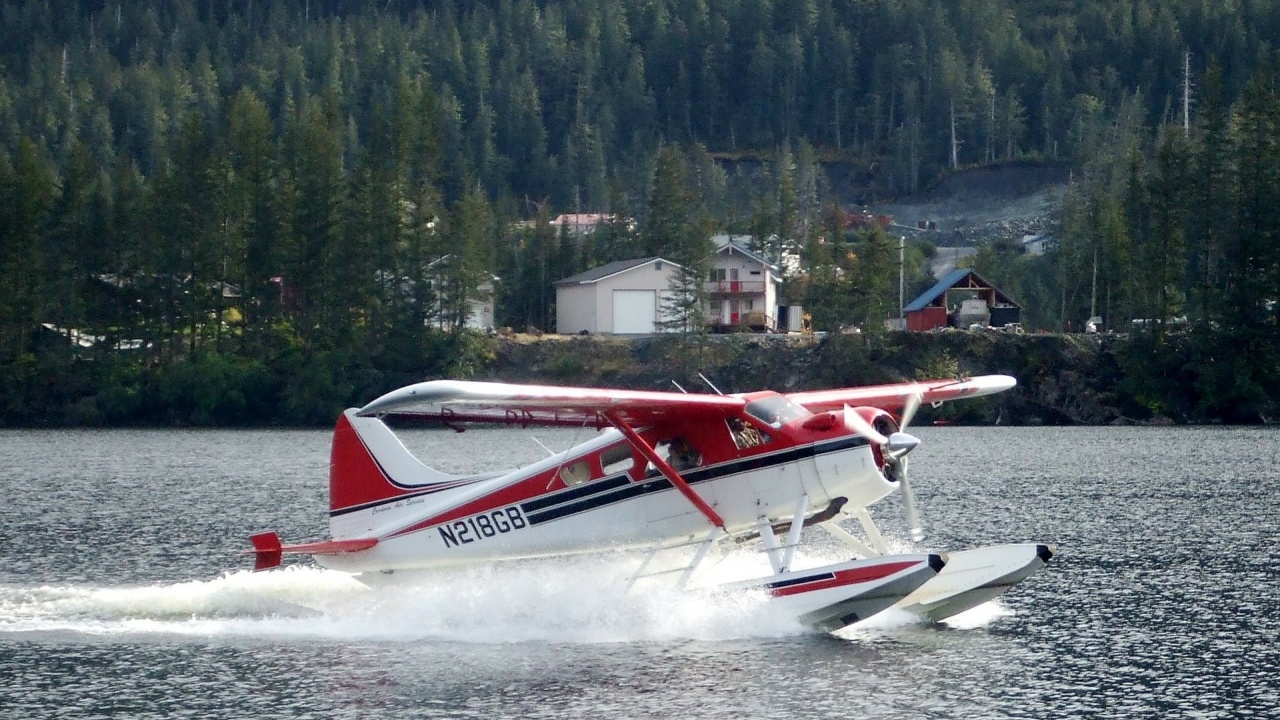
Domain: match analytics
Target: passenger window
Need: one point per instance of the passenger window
(678, 453)
(616, 459)
(683, 455)
(575, 473)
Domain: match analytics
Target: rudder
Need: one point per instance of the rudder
(369, 465)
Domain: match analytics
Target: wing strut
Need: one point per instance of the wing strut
(652, 456)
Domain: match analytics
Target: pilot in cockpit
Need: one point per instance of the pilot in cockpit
(682, 455)
(744, 435)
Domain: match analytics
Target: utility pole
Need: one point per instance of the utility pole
(1093, 292)
(902, 270)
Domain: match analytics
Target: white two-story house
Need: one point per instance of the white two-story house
(743, 287)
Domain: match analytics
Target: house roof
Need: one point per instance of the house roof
(609, 270)
(443, 260)
(581, 219)
(949, 281)
(733, 244)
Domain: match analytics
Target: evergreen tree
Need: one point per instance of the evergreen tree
(1252, 257)
(678, 230)
(468, 265)
(1212, 201)
(322, 271)
(873, 279)
(254, 255)
(1165, 259)
(25, 204)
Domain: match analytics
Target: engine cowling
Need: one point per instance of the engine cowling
(884, 423)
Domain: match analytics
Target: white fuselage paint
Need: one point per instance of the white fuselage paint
(645, 520)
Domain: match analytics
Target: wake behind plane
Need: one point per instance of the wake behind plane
(675, 475)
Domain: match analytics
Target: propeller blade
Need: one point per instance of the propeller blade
(859, 424)
(914, 525)
(909, 410)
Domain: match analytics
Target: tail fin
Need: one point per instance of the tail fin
(369, 465)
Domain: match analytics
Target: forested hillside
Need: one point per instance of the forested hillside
(292, 201)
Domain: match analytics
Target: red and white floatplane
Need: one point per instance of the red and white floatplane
(668, 475)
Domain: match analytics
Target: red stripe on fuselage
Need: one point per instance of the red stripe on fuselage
(846, 577)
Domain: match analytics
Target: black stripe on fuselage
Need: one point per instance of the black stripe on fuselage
(801, 580)
(573, 493)
(599, 500)
(609, 490)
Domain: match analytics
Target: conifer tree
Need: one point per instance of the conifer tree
(678, 230)
(26, 200)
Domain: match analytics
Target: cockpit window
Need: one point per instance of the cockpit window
(776, 410)
(745, 435)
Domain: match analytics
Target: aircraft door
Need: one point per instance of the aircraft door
(669, 510)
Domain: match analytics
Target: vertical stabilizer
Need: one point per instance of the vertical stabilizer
(369, 466)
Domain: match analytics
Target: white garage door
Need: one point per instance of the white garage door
(634, 311)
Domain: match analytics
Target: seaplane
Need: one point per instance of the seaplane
(663, 474)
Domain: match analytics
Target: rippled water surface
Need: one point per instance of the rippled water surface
(123, 593)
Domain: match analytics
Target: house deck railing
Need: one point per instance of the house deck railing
(751, 320)
(734, 287)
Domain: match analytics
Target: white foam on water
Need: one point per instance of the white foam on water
(558, 601)
(234, 597)
(980, 616)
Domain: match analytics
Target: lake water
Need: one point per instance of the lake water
(123, 593)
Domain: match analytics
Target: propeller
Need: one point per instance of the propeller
(909, 410)
(895, 448)
(863, 427)
(906, 443)
(914, 526)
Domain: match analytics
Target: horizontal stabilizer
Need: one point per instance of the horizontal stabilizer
(269, 551)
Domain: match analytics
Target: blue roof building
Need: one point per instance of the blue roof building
(944, 304)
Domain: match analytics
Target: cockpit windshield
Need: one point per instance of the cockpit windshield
(776, 410)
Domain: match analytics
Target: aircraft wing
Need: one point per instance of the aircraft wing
(894, 397)
(462, 401)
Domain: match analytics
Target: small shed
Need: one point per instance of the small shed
(960, 299)
(620, 298)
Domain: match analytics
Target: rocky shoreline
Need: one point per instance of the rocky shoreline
(1062, 379)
